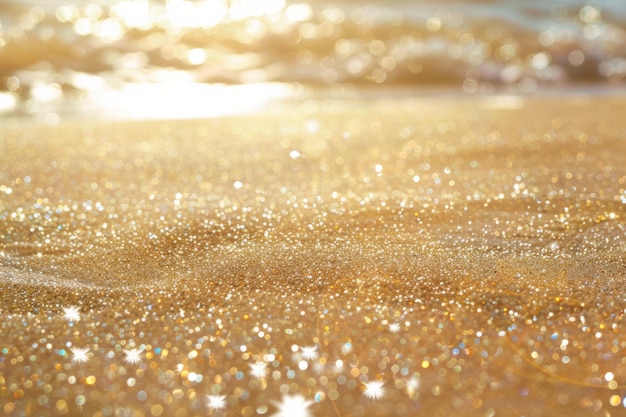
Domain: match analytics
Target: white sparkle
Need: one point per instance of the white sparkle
(71, 313)
(258, 370)
(412, 385)
(394, 328)
(309, 352)
(133, 356)
(293, 406)
(216, 402)
(374, 390)
(79, 355)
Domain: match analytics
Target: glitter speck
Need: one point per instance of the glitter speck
(216, 402)
(309, 352)
(133, 356)
(374, 390)
(71, 313)
(293, 406)
(135, 271)
(79, 355)
(258, 370)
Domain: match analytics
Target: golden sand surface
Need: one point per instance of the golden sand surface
(406, 257)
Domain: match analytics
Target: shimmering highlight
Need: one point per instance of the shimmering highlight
(66, 55)
(435, 256)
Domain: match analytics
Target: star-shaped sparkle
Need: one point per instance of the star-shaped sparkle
(216, 402)
(293, 406)
(71, 313)
(309, 352)
(258, 370)
(133, 356)
(374, 390)
(79, 355)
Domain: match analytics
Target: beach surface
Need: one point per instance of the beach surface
(436, 256)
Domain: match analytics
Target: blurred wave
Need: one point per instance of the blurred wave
(65, 52)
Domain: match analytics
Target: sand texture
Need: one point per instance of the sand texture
(405, 257)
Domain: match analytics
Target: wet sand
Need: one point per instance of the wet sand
(426, 256)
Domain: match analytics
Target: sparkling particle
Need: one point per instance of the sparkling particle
(133, 356)
(79, 355)
(374, 390)
(412, 385)
(309, 352)
(259, 370)
(293, 406)
(485, 262)
(216, 402)
(71, 313)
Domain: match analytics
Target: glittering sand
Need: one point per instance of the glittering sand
(432, 257)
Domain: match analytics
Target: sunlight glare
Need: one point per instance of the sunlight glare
(184, 13)
(83, 26)
(298, 13)
(243, 9)
(67, 13)
(134, 13)
(211, 13)
(186, 100)
(110, 30)
(181, 13)
(196, 56)
(8, 102)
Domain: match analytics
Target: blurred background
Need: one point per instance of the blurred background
(197, 58)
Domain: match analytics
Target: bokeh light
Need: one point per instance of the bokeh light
(471, 48)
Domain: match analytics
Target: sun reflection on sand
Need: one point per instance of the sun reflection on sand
(186, 100)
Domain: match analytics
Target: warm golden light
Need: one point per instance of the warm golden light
(243, 9)
(183, 13)
(182, 99)
(380, 208)
(466, 47)
(133, 13)
(298, 13)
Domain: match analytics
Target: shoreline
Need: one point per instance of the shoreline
(199, 101)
